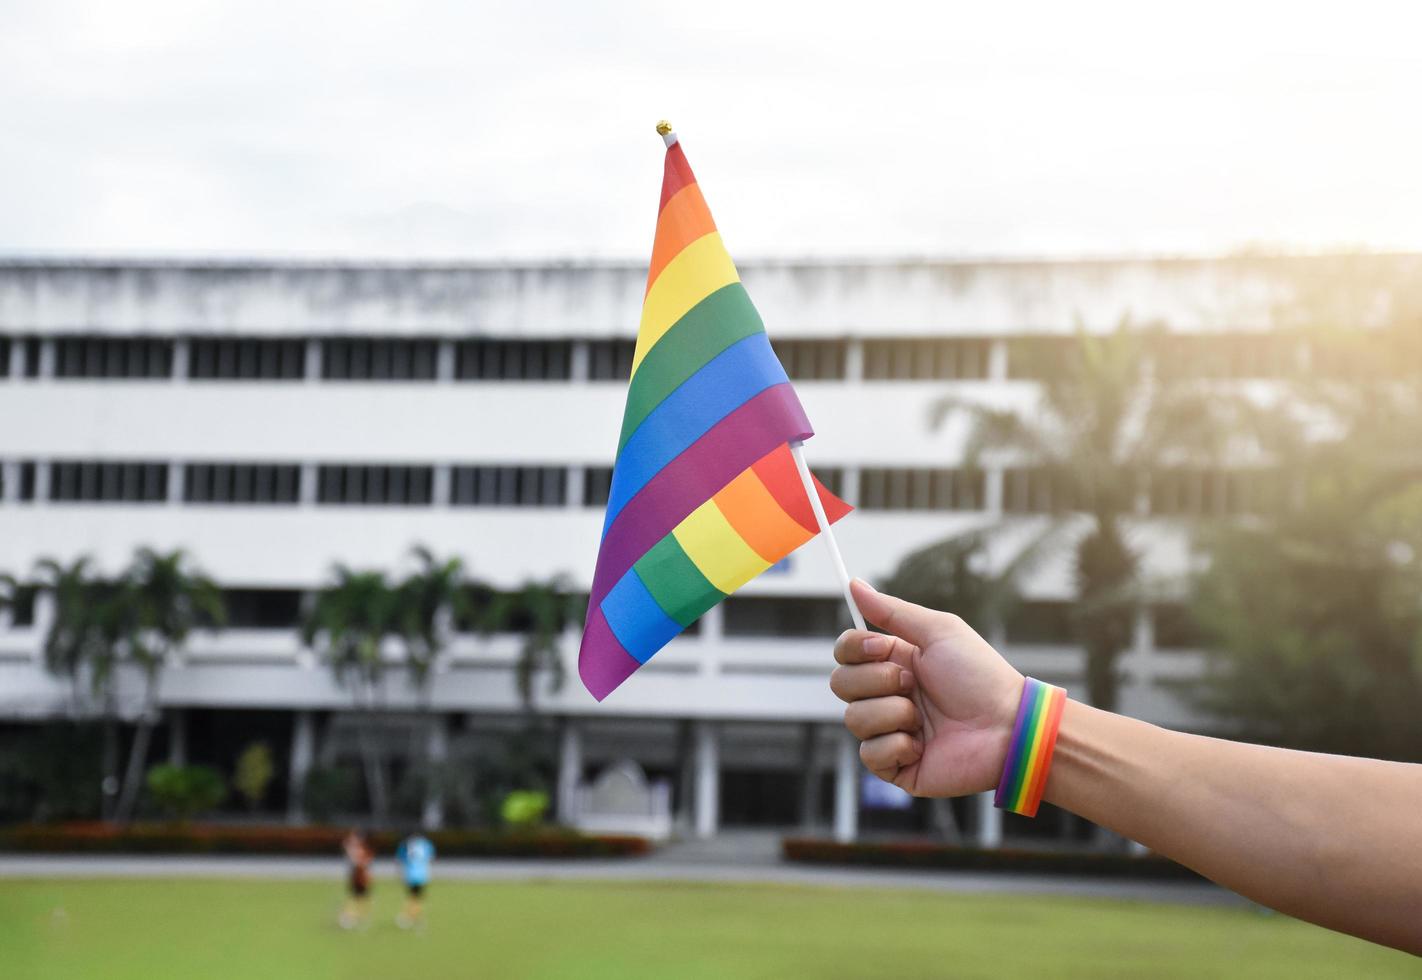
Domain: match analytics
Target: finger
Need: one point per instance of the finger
(860, 681)
(916, 624)
(880, 716)
(885, 755)
(862, 647)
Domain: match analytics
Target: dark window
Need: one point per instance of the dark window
(1207, 492)
(783, 616)
(597, 486)
(390, 485)
(246, 359)
(919, 489)
(812, 360)
(27, 479)
(4, 357)
(1227, 356)
(32, 356)
(22, 606)
(94, 482)
(832, 477)
(1028, 490)
(1036, 358)
(1175, 628)
(610, 360)
(931, 359)
(262, 609)
(514, 360)
(1041, 623)
(386, 359)
(113, 357)
(508, 486)
(242, 483)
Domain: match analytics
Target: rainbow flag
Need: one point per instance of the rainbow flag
(705, 494)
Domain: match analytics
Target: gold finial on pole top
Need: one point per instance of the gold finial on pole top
(664, 130)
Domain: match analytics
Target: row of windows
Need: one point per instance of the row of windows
(417, 359)
(1180, 492)
(1034, 623)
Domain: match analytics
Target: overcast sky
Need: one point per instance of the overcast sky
(490, 130)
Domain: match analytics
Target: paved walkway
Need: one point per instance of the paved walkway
(732, 861)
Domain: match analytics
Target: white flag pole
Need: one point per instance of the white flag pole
(797, 450)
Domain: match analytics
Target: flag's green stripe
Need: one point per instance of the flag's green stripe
(675, 582)
(708, 328)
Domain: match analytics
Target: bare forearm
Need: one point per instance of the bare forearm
(1334, 840)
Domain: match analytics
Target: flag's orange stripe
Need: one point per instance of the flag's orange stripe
(683, 220)
(759, 519)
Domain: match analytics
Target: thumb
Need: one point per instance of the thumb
(918, 625)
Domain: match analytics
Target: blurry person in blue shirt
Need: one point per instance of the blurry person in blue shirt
(415, 855)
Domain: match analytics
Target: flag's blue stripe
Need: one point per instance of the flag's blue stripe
(636, 620)
(728, 380)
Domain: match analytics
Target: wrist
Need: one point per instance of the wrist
(1030, 747)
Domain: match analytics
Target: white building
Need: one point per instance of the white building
(275, 418)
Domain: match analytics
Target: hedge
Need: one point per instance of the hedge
(99, 838)
(911, 854)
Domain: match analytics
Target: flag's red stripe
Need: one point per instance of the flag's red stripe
(675, 175)
(777, 471)
(770, 418)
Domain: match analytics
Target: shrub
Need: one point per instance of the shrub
(185, 791)
(524, 808)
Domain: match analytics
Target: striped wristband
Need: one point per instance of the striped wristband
(1029, 754)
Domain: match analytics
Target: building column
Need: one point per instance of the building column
(440, 484)
(989, 828)
(854, 359)
(809, 778)
(47, 353)
(708, 780)
(444, 361)
(997, 367)
(578, 365)
(846, 790)
(19, 356)
(306, 487)
(570, 771)
(42, 473)
(10, 482)
(992, 490)
(181, 359)
(436, 752)
(313, 360)
(303, 751)
(577, 482)
(177, 737)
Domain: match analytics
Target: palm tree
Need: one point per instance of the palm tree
(164, 599)
(1103, 423)
(430, 601)
(85, 633)
(541, 611)
(348, 626)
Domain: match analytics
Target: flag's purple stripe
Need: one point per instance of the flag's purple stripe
(731, 446)
(602, 662)
(1020, 735)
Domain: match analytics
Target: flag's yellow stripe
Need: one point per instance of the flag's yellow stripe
(699, 270)
(718, 551)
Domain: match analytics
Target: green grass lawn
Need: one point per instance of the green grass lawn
(271, 929)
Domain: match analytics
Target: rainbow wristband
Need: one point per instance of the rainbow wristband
(1029, 754)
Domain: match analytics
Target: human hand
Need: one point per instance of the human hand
(933, 703)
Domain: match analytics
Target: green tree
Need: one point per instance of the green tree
(1103, 422)
(1312, 612)
(164, 599)
(253, 774)
(540, 611)
(349, 626)
(83, 642)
